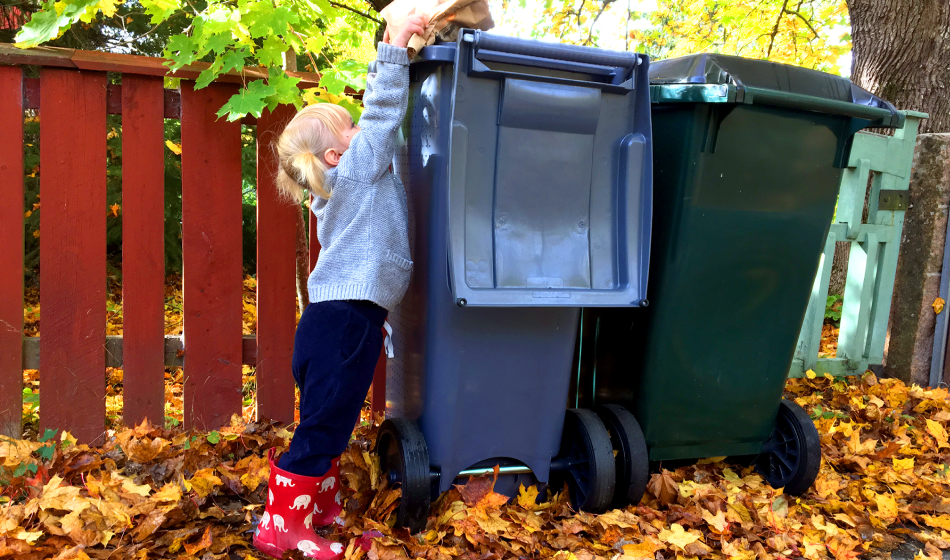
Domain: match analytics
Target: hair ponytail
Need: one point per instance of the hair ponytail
(300, 146)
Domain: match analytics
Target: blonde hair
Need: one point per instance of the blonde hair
(301, 145)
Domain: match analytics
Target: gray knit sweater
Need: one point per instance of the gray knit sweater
(363, 227)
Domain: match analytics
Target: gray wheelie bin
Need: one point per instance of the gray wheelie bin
(748, 160)
(527, 168)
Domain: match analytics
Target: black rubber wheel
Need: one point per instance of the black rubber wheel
(588, 462)
(632, 462)
(404, 459)
(791, 457)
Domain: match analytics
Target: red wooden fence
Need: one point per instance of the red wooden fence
(73, 98)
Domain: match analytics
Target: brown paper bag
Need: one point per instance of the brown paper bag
(446, 17)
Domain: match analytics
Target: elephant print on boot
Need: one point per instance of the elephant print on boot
(327, 484)
(283, 481)
(308, 521)
(279, 523)
(302, 502)
(307, 547)
(265, 520)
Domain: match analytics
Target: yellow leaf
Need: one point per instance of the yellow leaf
(937, 521)
(646, 549)
(133, 488)
(115, 210)
(810, 374)
(938, 305)
(171, 492)
(886, 506)
(204, 482)
(36, 233)
(175, 148)
(28, 214)
(678, 536)
(527, 497)
(717, 521)
(938, 432)
(903, 464)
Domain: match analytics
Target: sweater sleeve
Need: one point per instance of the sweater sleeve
(385, 100)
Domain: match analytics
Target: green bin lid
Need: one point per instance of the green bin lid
(717, 78)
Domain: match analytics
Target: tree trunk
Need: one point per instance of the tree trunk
(303, 263)
(839, 269)
(302, 248)
(901, 51)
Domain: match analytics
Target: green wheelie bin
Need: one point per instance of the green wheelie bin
(748, 157)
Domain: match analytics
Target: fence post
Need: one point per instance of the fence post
(912, 319)
(276, 277)
(211, 251)
(73, 252)
(143, 249)
(11, 250)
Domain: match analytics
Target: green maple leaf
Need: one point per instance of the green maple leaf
(180, 51)
(285, 89)
(248, 101)
(263, 20)
(271, 53)
(48, 23)
(160, 10)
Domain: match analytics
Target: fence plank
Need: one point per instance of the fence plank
(73, 252)
(11, 250)
(143, 249)
(276, 277)
(211, 250)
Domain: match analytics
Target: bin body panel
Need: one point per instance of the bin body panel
(740, 218)
(482, 382)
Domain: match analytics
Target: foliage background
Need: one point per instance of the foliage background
(337, 39)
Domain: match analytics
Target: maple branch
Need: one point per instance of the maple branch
(355, 11)
(804, 19)
(590, 33)
(778, 22)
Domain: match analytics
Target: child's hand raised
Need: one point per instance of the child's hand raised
(413, 25)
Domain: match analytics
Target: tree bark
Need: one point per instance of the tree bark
(901, 51)
(839, 269)
(302, 249)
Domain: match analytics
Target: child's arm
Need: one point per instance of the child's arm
(384, 101)
(384, 107)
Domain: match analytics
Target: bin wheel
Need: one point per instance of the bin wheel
(587, 462)
(632, 462)
(404, 459)
(791, 457)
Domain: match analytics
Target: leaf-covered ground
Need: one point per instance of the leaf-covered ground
(158, 493)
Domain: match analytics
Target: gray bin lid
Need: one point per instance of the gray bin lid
(718, 78)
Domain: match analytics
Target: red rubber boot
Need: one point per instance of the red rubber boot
(328, 503)
(287, 522)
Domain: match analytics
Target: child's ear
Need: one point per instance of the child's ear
(332, 157)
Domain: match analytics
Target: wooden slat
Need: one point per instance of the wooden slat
(276, 277)
(73, 252)
(379, 383)
(173, 352)
(143, 249)
(211, 247)
(11, 250)
(130, 64)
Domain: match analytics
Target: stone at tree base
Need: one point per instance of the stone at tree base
(911, 327)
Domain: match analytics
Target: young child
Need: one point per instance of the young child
(361, 275)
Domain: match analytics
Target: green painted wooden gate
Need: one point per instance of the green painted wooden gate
(881, 164)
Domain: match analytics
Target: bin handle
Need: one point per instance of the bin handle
(878, 116)
(553, 51)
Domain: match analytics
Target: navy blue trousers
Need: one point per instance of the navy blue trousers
(336, 349)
